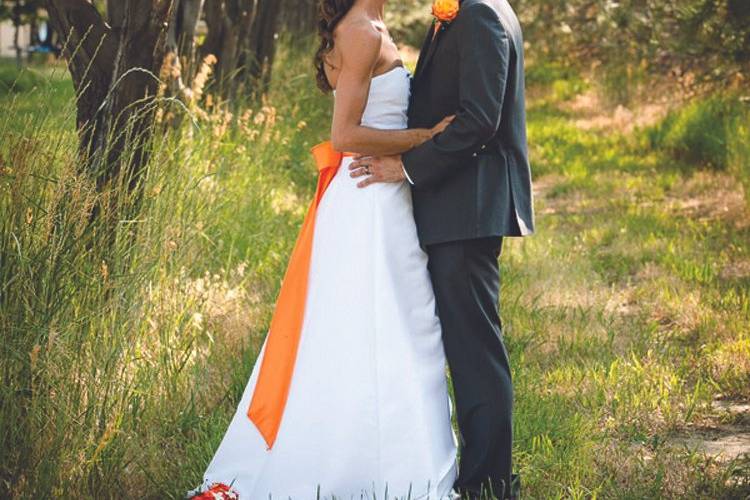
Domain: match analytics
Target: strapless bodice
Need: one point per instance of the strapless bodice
(388, 100)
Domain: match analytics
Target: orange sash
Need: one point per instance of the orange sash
(275, 377)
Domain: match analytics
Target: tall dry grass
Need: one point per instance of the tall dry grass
(119, 335)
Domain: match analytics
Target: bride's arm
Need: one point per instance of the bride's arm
(359, 46)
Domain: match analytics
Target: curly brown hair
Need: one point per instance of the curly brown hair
(330, 13)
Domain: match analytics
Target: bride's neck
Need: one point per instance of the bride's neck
(373, 8)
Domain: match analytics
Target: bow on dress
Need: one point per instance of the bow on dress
(275, 377)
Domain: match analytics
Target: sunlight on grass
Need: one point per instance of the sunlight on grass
(626, 315)
(142, 348)
(621, 327)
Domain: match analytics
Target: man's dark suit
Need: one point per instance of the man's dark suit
(471, 187)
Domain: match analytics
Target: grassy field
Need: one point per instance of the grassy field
(627, 313)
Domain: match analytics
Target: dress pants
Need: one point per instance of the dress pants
(466, 280)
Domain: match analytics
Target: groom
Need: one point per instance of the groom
(471, 187)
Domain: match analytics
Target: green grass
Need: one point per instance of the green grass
(626, 314)
(623, 322)
(13, 81)
(712, 132)
(739, 147)
(702, 132)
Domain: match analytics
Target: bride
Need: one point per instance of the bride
(348, 398)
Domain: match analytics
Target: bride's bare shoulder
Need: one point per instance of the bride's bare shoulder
(356, 33)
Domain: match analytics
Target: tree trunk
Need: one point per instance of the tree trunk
(242, 36)
(180, 60)
(116, 13)
(229, 23)
(299, 18)
(17, 28)
(186, 18)
(114, 67)
(257, 61)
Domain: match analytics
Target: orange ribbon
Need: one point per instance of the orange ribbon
(275, 377)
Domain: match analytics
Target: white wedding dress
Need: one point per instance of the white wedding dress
(368, 410)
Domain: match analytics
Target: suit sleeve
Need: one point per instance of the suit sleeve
(483, 58)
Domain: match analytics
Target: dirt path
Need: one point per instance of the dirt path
(728, 439)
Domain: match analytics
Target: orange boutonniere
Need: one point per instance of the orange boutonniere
(445, 11)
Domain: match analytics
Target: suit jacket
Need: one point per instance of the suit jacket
(474, 179)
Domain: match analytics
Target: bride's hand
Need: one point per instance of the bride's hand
(425, 134)
(441, 126)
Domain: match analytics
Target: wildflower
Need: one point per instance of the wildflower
(34, 355)
(105, 271)
(217, 491)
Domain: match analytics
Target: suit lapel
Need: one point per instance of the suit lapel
(423, 51)
(431, 45)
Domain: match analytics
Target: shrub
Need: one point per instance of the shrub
(713, 132)
(546, 72)
(739, 148)
(697, 133)
(621, 82)
(408, 20)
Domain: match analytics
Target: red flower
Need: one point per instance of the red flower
(217, 491)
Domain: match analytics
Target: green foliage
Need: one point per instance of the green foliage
(408, 20)
(20, 12)
(699, 41)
